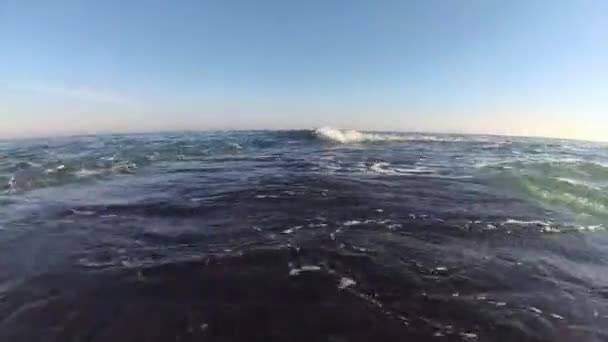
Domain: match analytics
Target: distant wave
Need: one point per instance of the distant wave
(348, 136)
(342, 136)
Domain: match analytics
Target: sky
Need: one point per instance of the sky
(517, 67)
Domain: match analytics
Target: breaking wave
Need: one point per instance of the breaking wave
(348, 136)
(329, 134)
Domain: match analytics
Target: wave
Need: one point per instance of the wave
(346, 136)
(577, 197)
(388, 169)
(575, 185)
(567, 169)
(339, 136)
(381, 167)
(32, 178)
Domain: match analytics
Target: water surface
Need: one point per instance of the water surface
(321, 235)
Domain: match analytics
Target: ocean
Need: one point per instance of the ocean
(310, 235)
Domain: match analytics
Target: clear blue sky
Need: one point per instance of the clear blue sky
(510, 67)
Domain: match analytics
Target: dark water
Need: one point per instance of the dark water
(320, 235)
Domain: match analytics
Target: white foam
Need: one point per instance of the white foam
(387, 169)
(527, 223)
(346, 283)
(57, 169)
(550, 230)
(292, 230)
(12, 185)
(415, 170)
(591, 228)
(306, 268)
(469, 336)
(351, 136)
(266, 196)
(381, 167)
(345, 136)
(339, 136)
(352, 223)
(573, 181)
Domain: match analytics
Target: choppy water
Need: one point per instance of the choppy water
(303, 235)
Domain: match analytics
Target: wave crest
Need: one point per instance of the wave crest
(345, 136)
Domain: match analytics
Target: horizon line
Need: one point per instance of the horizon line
(208, 130)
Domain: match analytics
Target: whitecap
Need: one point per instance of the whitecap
(381, 167)
(266, 196)
(360, 249)
(550, 230)
(12, 185)
(346, 283)
(573, 181)
(305, 268)
(590, 228)
(339, 136)
(394, 226)
(388, 169)
(352, 223)
(469, 336)
(526, 223)
(346, 136)
(414, 170)
(292, 230)
(330, 134)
